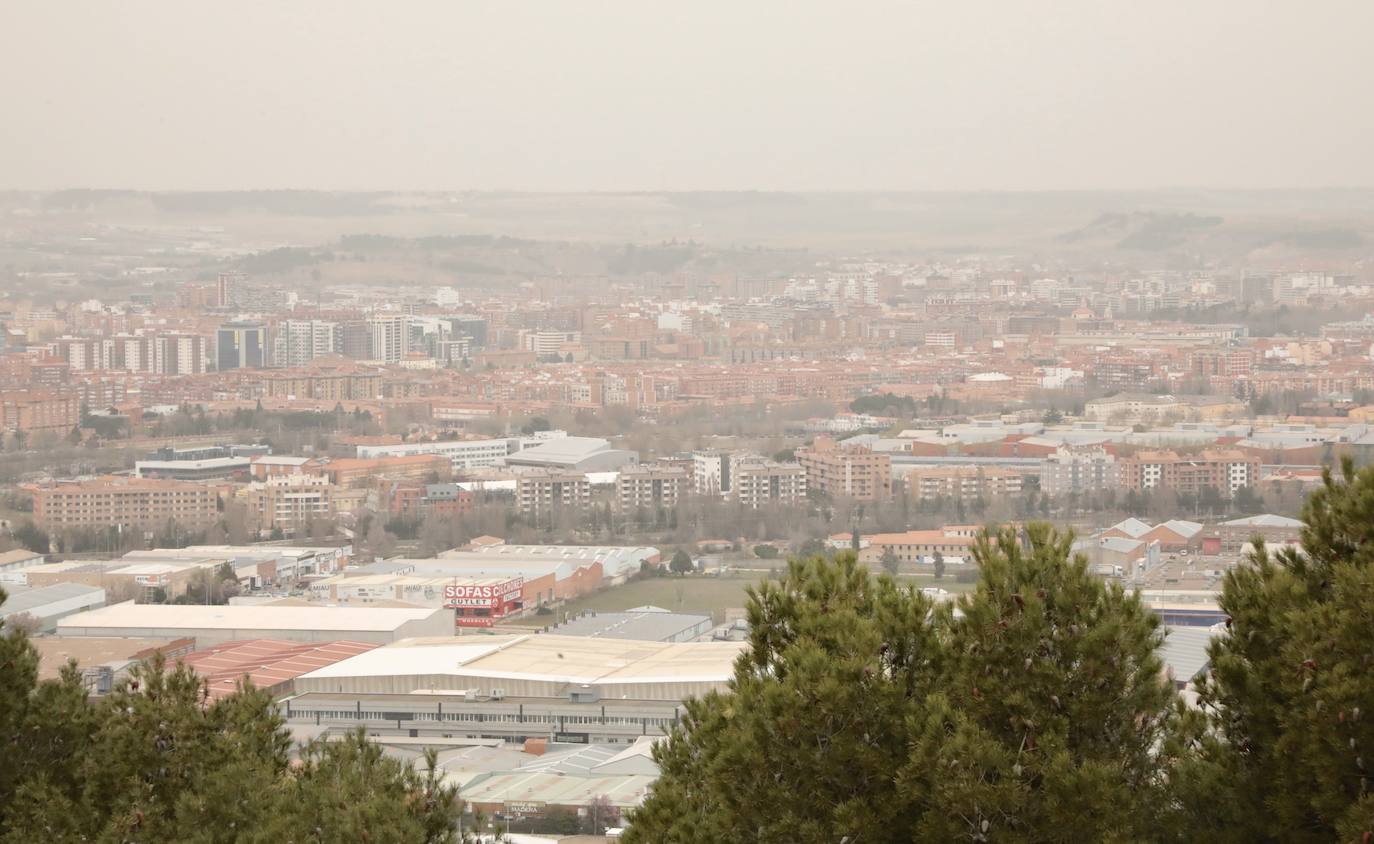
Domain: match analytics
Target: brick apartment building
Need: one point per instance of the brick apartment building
(347, 386)
(963, 483)
(133, 503)
(289, 502)
(848, 471)
(38, 411)
(1223, 470)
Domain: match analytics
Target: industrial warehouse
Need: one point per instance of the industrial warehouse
(563, 688)
(214, 625)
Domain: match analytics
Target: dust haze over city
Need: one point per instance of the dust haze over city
(633, 422)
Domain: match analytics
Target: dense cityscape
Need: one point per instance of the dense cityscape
(623, 423)
(254, 465)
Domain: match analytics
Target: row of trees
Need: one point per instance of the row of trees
(1040, 710)
(157, 760)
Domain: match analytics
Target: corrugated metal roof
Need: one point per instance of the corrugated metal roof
(650, 626)
(558, 789)
(1185, 650)
(266, 662)
(231, 617)
(28, 600)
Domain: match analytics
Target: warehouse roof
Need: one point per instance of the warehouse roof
(267, 663)
(129, 614)
(207, 463)
(568, 659)
(28, 600)
(563, 449)
(1119, 544)
(1133, 528)
(1185, 651)
(415, 656)
(18, 555)
(1265, 520)
(55, 651)
(1183, 528)
(557, 789)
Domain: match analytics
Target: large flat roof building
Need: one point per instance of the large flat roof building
(216, 624)
(49, 604)
(560, 688)
(538, 666)
(616, 560)
(576, 454)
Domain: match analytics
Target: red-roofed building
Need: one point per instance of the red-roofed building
(270, 664)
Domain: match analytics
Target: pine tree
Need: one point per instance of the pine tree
(681, 563)
(1050, 709)
(805, 744)
(155, 760)
(860, 712)
(1290, 694)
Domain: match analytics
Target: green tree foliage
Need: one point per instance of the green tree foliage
(862, 712)
(937, 564)
(1290, 695)
(1051, 707)
(889, 561)
(31, 537)
(156, 760)
(681, 563)
(806, 744)
(884, 404)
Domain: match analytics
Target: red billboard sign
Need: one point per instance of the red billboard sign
(482, 594)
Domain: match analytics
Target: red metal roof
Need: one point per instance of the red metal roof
(268, 663)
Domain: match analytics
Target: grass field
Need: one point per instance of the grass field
(692, 594)
(695, 594)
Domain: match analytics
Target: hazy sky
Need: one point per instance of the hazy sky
(641, 95)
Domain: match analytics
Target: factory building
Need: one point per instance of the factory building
(560, 688)
(210, 625)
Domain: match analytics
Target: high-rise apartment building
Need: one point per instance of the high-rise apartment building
(299, 341)
(711, 472)
(651, 487)
(355, 339)
(225, 288)
(545, 490)
(760, 483)
(389, 337)
(241, 345)
(289, 502)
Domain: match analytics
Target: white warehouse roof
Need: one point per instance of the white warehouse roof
(237, 617)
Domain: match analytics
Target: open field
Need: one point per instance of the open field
(692, 594)
(695, 594)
